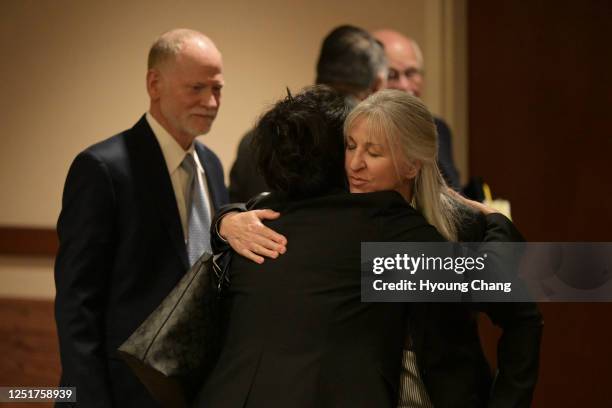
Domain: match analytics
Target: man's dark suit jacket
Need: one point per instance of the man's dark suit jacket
(121, 252)
(446, 163)
(246, 182)
(299, 335)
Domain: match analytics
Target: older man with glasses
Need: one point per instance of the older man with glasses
(406, 73)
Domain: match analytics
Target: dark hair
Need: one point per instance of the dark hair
(299, 144)
(350, 58)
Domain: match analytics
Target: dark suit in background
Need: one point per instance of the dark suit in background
(446, 164)
(121, 252)
(299, 335)
(246, 181)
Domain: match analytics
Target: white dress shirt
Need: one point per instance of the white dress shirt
(173, 155)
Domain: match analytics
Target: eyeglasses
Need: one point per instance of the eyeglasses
(410, 73)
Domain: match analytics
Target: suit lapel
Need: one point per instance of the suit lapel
(158, 185)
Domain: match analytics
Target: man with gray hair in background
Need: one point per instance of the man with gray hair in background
(353, 63)
(406, 73)
(135, 216)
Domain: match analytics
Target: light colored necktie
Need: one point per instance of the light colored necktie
(198, 240)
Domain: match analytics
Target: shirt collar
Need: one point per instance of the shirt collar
(172, 151)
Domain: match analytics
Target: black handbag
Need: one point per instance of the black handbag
(176, 347)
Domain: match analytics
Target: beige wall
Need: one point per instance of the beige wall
(73, 74)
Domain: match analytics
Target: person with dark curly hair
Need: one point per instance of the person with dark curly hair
(298, 334)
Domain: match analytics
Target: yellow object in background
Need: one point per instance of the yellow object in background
(503, 206)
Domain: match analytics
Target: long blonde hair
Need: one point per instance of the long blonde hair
(406, 124)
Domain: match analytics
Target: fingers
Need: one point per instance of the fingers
(268, 233)
(262, 246)
(266, 246)
(263, 251)
(255, 251)
(242, 250)
(268, 237)
(250, 238)
(267, 214)
(251, 256)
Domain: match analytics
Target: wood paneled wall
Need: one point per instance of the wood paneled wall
(539, 125)
(28, 346)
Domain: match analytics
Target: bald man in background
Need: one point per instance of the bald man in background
(406, 73)
(134, 211)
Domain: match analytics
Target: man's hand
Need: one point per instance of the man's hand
(250, 238)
